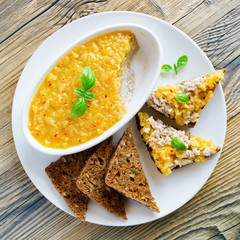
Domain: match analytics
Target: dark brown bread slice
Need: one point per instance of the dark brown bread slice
(125, 173)
(63, 174)
(91, 180)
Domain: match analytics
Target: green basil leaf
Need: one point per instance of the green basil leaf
(182, 98)
(178, 144)
(88, 96)
(182, 61)
(87, 78)
(79, 108)
(80, 92)
(175, 69)
(166, 68)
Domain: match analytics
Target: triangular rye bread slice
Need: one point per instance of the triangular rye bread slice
(125, 173)
(91, 180)
(199, 91)
(63, 174)
(158, 137)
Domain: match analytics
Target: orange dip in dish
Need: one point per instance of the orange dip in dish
(49, 116)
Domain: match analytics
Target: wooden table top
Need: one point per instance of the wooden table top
(214, 213)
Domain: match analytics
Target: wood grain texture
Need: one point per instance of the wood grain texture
(214, 213)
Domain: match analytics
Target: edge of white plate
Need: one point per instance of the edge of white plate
(225, 120)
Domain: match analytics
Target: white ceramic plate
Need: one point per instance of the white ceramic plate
(171, 192)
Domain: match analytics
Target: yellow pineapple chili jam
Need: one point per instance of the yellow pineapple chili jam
(49, 115)
(158, 138)
(203, 91)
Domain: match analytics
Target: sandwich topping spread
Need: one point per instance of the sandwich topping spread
(199, 92)
(158, 137)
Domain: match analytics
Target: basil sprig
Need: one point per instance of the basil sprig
(166, 68)
(178, 144)
(182, 98)
(181, 62)
(79, 108)
(88, 81)
(175, 68)
(87, 78)
(85, 94)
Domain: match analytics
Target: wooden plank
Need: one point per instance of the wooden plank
(143, 6)
(190, 16)
(24, 211)
(204, 14)
(213, 213)
(220, 42)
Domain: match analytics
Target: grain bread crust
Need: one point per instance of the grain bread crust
(150, 149)
(63, 174)
(125, 173)
(91, 180)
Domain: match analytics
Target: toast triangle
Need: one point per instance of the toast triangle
(125, 173)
